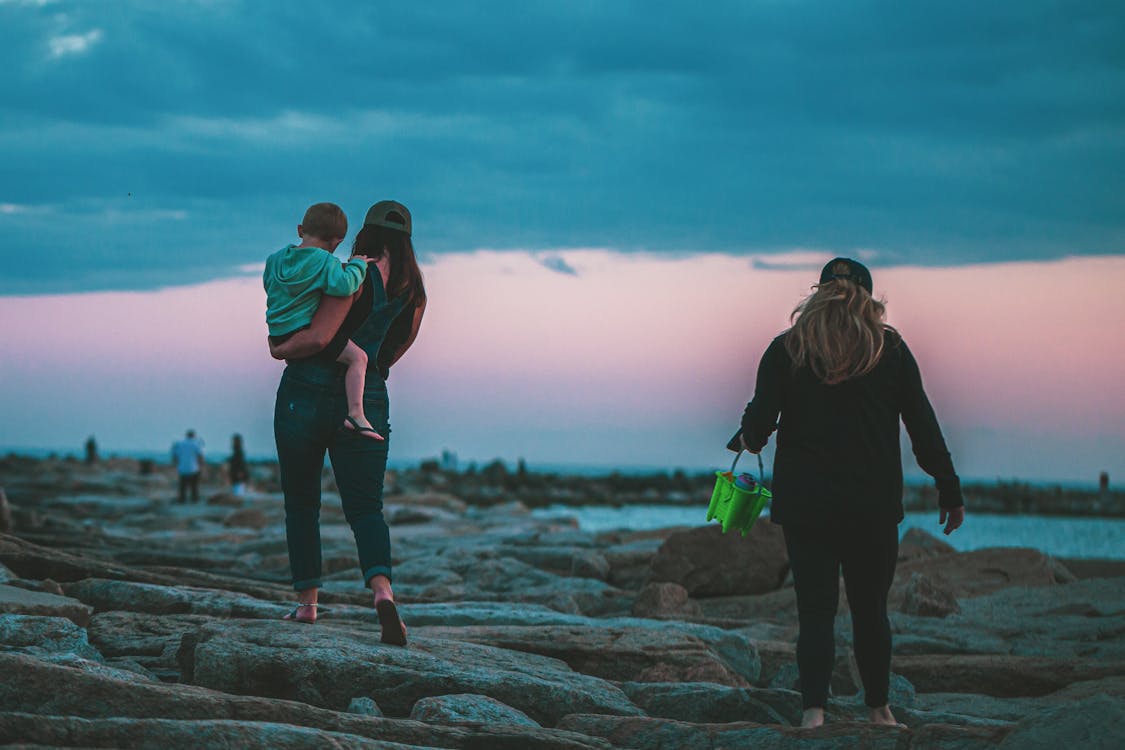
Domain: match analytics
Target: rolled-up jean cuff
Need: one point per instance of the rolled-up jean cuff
(311, 583)
(376, 570)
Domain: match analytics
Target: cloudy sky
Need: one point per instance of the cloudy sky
(148, 146)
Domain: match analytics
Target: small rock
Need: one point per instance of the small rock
(364, 706)
(925, 598)
(665, 600)
(468, 708)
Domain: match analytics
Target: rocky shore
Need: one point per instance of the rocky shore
(129, 621)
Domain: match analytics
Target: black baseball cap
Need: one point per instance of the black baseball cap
(855, 271)
(389, 214)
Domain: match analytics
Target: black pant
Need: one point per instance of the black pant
(192, 481)
(867, 555)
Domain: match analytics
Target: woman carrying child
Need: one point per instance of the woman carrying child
(840, 379)
(382, 319)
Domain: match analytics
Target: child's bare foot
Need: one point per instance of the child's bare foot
(812, 718)
(361, 426)
(883, 715)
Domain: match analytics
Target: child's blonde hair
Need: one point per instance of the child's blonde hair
(325, 221)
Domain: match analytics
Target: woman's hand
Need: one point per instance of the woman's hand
(325, 323)
(952, 518)
(745, 447)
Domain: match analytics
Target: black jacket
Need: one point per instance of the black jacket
(838, 455)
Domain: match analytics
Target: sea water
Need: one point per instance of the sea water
(1080, 537)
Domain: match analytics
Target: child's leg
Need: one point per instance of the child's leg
(354, 380)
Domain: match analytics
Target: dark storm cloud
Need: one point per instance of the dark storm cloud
(172, 142)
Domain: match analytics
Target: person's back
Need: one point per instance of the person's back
(187, 455)
(840, 379)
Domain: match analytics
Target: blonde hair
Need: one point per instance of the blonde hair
(838, 331)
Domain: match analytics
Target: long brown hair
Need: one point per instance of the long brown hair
(838, 331)
(375, 241)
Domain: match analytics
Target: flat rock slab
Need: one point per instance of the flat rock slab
(60, 695)
(15, 600)
(999, 675)
(660, 734)
(328, 666)
(469, 709)
(626, 653)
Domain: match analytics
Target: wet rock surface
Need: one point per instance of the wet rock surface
(129, 621)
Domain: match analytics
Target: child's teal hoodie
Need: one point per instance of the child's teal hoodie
(294, 279)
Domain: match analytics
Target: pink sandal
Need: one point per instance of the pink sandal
(305, 613)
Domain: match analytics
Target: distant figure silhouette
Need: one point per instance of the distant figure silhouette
(311, 403)
(236, 467)
(91, 450)
(187, 457)
(840, 379)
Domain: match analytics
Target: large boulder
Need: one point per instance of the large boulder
(982, 571)
(708, 562)
(327, 666)
(998, 675)
(917, 544)
(56, 705)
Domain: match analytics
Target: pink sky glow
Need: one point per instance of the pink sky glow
(634, 360)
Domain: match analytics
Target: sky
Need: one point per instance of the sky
(616, 204)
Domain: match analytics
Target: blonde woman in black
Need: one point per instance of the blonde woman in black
(840, 379)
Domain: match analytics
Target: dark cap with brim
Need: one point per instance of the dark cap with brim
(388, 214)
(856, 272)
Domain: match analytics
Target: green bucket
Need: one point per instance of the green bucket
(734, 507)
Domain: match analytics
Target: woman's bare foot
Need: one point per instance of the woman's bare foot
(812, 718)
(883, 715)
(358, 424)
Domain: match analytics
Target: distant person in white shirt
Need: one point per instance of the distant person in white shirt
(187, 456)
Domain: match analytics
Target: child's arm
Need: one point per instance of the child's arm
(327, 319)
(344, 280)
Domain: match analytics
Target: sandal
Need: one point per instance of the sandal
(354, 426)
(394, 632)
(301, 613)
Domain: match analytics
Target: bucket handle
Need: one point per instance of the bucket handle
(761, 468)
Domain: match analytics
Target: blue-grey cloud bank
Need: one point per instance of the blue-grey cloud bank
(149, 144)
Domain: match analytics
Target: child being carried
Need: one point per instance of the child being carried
(295, 278)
